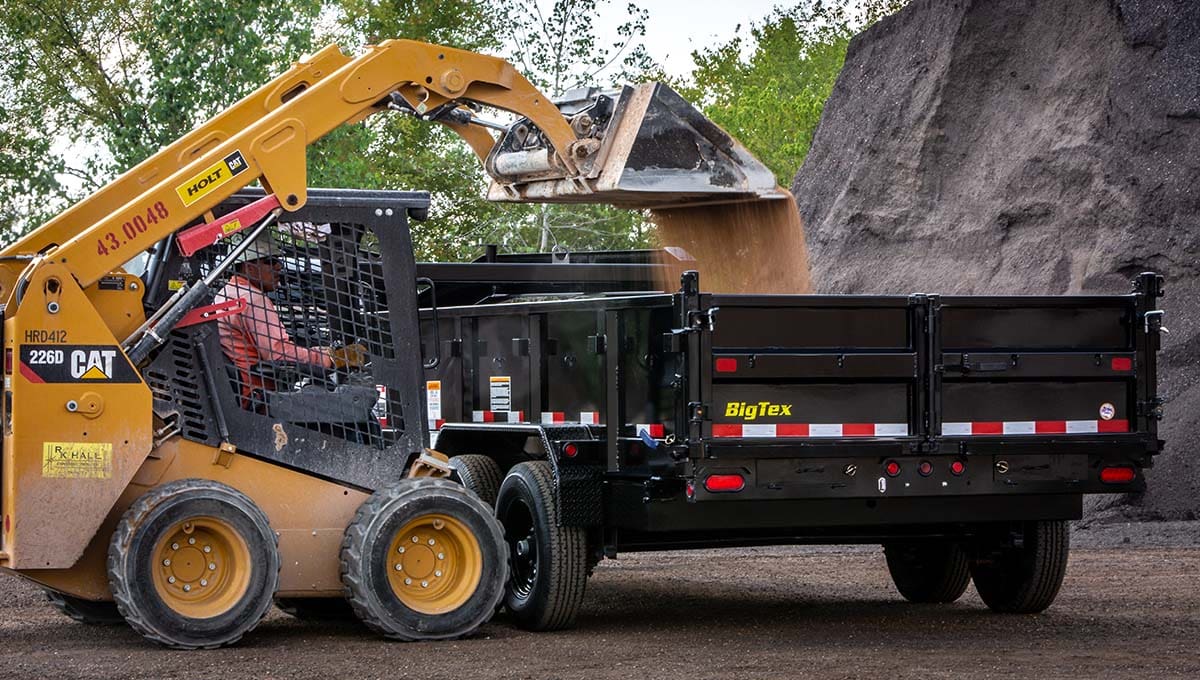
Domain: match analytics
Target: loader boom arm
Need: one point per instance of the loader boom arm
(266, 136)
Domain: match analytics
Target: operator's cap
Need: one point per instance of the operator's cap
(262, 248)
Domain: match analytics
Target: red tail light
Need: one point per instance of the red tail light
(571, 450)
(892, 468)
(925, 468)
(726, 365)
(724, 483)
(1117, 475)
(958, 467)
(1122, 364)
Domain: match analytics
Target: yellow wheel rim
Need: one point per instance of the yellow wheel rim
(434, 564)
(201, 567)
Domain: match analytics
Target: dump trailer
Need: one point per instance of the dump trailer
(960, 432)
(214, 403)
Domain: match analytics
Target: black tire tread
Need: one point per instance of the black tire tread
(480, 474)
(120, 586)
(928, 573)
(85, 611)
(352, 556)
(569, 551)
(1033, 586)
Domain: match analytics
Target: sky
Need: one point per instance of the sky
(676, 27)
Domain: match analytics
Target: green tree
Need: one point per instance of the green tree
(92, 87)
(772, 100)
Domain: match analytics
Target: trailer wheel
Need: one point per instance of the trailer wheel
(85, 611)
(1025, 579)
(193, 564)
(549, 562)
(424, 560)
(316, 608)
(928, 572)
(480, 474)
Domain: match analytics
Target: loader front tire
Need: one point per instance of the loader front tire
(480, 474)
(85, 611)
(549, 562)
(424, 559)
(933, 572)
(193, 564)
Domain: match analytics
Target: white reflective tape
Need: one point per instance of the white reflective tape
(477, 416)
(511, 416)
(891, 429)
(956, 429)
(825, 430)
(1082, 426)
(589, 418)
(758, 430)
(1020, 427)
(547, 418)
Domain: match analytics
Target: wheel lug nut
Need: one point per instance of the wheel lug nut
(208, 548)
(170, 579)
(438, 524)
(424, 584)
(415, 539)
(408, 581)
(191, 541)
(441, 556)
(174, 546)
(437, 573)
(166, 563)
(212, 566)
(187, 588)
(203, 583)
(400, 549)
(431, 541)
(399, 567)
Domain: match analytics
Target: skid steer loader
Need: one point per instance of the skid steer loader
(300, 472)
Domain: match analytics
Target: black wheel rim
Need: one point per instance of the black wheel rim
(522, 542)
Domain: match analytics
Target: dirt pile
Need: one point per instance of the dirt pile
(748, 247)
(1024, 147)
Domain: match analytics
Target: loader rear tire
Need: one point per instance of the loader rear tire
(933, 572)
(549, 562)
(85, 611)
(481, 475)
(424, 559)
(193, 564)
(1025, 579)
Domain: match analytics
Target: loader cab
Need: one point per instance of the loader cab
(337, 273)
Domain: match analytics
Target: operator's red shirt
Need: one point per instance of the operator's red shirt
(257, 334)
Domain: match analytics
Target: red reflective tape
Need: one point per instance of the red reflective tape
(212, 312)
(1050, 427)
(726, 430)
(489, 416)
(987, 428)
(1122, 364)
(204, 235)
(791, 430)
(858, 430)
(29, 374)
(438, 424)
(1112, 425)
(727, 365)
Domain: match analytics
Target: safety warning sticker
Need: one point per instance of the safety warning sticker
(75, 364)
(501, 392)
(77, 460)
(433, 400)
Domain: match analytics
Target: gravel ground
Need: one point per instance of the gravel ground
(1130, 608)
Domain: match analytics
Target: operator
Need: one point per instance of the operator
(256, 333)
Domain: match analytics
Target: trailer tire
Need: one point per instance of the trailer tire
(1024, 580)
(193, 564)
(481, 475)
(443, 585)
(316, 608)
(549, 562)
(90, 612)
(928, 572)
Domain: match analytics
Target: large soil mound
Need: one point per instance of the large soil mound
(1024, 147)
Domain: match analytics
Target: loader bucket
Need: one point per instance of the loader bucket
(641, 146)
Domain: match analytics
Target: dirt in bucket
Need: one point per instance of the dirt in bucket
(746, 247)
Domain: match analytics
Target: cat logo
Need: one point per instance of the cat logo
(208, 179)
(94, 364)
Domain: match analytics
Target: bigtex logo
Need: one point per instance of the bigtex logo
(748, 411)
(211, 177)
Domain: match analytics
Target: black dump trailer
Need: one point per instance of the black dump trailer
(960, 432)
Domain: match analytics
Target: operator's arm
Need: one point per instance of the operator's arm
(261, 322)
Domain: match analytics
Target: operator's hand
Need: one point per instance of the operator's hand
(350, 356)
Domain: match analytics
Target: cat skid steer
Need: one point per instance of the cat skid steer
(299, 473)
